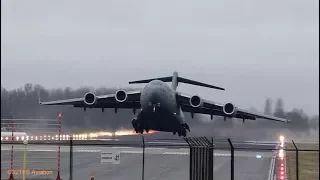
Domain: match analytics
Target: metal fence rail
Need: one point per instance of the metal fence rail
(199, 161)
(14, 133)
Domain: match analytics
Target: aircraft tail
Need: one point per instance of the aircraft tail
(175, 79)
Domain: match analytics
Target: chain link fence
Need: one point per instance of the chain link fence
(20, 160)
(193, 158)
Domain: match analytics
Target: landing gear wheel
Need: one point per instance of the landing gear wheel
(187, 127)
(183, 131)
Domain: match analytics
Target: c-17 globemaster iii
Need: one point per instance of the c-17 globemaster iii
(161, 106)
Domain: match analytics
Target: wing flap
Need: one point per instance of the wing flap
(184, 99)
(126, 105)
(74, 101)
(213, 112)
(261, 116)
(191, 109)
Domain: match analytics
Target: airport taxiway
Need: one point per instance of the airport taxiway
(160, 162)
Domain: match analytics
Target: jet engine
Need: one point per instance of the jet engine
(90, 98)
(229, 109)
(196, 101)
(121, 96)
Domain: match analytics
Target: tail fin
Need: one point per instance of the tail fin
(175, 79)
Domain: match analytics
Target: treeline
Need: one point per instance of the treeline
(24, 103)
(299, 120)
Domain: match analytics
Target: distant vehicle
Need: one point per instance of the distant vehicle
(161, 106)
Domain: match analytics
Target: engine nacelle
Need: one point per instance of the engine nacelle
(90, 98)
(121, 96)
(229, 109)
(196, 101)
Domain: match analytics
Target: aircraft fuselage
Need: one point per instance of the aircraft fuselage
(159, 109)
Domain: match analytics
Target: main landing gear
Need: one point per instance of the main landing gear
(137, 126)
(182, 130)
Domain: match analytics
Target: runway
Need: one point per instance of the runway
(160, 163)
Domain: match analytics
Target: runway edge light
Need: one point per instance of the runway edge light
(282, 158)
(91, 176)
(281, 140)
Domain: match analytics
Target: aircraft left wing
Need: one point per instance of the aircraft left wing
(120, 99)
(195, 104)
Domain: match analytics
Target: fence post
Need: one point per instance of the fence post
(211, 160)
(143, 148)
(25, 142)
(297, 160)
(232, 159)
(190, 159)
(71, 159)
(12, 139)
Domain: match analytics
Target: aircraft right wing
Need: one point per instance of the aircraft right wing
(194, 104)
(120, 99)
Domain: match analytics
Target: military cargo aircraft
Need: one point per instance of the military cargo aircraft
(160, 106)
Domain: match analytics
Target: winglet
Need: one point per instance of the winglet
(289, 120)
(39, 99)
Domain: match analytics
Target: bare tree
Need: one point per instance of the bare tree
(268, 107)
(279, 109)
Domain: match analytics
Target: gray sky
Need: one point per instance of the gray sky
(255, 49)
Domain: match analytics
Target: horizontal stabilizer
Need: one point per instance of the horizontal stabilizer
(175, 79)
(164, 79)
(188, 81)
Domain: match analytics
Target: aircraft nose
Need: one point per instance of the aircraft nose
(155, 96)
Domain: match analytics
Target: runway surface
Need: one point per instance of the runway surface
(160, 163)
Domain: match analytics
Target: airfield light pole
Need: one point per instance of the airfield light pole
(59, 118)
(232, 159)
(12, 138)
(143, 146)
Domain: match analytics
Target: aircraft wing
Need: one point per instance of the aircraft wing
(213, 108)
(104, 101)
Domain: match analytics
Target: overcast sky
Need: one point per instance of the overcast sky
(255, 49)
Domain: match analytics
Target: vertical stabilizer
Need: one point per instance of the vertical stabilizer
(175, 81)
